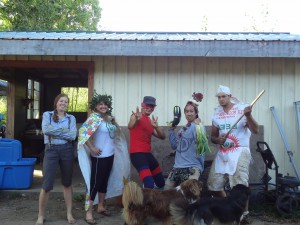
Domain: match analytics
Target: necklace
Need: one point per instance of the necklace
(111, 130)
(183, 130)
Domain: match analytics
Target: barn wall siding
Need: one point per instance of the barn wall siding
(172, 80)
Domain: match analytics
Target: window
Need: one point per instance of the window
(3, 101)
(78, 98)
(33, 98)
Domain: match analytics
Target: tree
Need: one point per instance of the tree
(78, 98)
(49, 14)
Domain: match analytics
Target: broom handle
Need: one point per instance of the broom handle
(252, 103)
(257, 97)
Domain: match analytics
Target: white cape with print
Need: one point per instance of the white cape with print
(120, 169)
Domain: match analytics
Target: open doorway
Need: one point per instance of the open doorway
(33, 87)
(3, 107)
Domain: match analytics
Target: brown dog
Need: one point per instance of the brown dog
(140, 203)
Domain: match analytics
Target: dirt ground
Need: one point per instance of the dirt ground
(22, 209)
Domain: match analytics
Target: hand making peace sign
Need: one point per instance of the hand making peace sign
(154, 122)
(137, 113)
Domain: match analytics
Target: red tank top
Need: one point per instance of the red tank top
(140, 136)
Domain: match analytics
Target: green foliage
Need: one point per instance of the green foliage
(3, 107)
(201, 140)
(49, 15)
(78, 197)
(78, 98)
(268, 212)
(97, 98)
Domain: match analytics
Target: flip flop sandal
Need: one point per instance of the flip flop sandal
(177, 116)
(104, 213)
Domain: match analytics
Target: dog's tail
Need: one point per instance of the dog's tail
(132, 200)
(181, 212)
(132, 194)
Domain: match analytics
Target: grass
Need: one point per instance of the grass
(268, 211)
(78, 197)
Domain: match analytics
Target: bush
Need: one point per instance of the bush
(3, 107)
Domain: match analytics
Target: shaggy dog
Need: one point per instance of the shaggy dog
(140, 203)
(228, 210)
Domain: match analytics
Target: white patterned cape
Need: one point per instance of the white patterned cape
(120, 169)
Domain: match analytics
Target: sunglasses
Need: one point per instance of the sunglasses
(150, 106)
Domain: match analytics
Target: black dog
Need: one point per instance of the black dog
(227, 210)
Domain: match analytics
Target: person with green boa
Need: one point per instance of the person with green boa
(190, 143)
(102, 155)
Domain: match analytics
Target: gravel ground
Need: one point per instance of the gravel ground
(22, 209)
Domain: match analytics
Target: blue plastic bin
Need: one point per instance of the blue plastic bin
(17, 174)
(10, 150)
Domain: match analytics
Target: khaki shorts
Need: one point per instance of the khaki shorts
(171, 184)
(217, 181)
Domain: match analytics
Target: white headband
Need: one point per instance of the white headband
(194, 101)
(223, 89)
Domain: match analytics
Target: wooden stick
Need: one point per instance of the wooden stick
(257, 97)
(252, 103)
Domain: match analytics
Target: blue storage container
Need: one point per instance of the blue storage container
(10, 150)
(17, 174)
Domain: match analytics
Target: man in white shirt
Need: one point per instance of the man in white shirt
(233, 158)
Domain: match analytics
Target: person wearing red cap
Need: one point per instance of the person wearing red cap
(142, 128)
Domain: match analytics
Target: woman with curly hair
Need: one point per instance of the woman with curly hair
(102, 155)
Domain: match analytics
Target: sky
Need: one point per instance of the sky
(200, 15)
